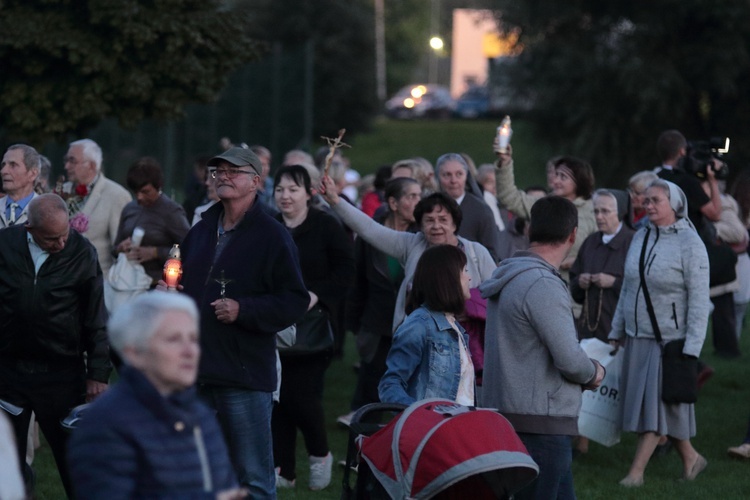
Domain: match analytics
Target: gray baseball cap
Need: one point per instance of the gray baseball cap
(239, 157)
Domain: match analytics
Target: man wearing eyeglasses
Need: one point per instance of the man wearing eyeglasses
(242, 269)
(99, 198)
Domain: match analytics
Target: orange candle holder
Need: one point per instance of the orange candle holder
(173, 268)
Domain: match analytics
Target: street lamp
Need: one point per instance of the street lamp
(436, 43)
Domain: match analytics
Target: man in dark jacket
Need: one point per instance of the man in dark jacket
(241, 268)
(51, 313)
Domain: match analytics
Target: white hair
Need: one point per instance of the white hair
(337, 172)
(313, 172)
(91, 151)
(135, 322)
(485, 170)
(642, 179)
(297, 157)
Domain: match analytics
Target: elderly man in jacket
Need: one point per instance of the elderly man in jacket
(242, 269)
(19, 169)
(101, 199)
(51, 314)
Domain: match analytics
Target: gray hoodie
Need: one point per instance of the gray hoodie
(677, 278)
(533, 365)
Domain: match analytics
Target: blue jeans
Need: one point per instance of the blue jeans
(245, 419)
(554, 456)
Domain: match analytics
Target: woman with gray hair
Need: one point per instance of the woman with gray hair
(668, 264)
(596, 275)
(419, 169)
(637, 185)
(456, 180)
(149, 435)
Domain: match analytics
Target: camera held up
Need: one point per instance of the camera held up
(700, 154)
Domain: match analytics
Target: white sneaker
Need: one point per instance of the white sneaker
(345, 420)
(282, 482)
(320, 471)
(741, 451)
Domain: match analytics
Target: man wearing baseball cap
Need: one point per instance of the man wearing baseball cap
(242, 269)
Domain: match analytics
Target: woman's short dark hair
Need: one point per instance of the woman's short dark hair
(437, 280)
(297, 173)
(583, 175)
(428, 204)
(143, 172)
(382, 176)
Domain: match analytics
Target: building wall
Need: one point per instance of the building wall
(472, 31)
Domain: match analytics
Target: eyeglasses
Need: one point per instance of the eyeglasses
(230, 173)
(653, 201)
(71, 160)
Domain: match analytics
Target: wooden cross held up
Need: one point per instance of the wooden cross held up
(333, 145)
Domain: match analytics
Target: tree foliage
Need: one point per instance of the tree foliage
(608, 77)
(407, 31)
(343, 62)
(69, 64)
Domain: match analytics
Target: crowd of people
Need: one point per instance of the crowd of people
(211, 392)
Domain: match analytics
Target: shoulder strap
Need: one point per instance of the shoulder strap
(469, 246)
(646, 296)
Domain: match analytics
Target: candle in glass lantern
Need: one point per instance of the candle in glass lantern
(173, 268)
(504, 133)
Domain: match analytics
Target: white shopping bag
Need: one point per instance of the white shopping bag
(601, 412)
(124, 281)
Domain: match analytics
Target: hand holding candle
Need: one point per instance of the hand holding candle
(504, 133)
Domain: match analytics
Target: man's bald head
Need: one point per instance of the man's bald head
(48, 222)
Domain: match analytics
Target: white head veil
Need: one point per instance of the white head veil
(677, 199)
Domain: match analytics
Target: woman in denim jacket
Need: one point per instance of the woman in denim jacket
(429, 357)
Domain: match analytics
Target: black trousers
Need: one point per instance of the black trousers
(369, 375)
(724, 326)
(50, 395)
(300, 407)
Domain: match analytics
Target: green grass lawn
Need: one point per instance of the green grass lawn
(393, 140)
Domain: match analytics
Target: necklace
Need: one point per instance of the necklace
(585, 312)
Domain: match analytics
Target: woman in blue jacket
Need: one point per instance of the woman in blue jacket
(149, 436)
(429, 357)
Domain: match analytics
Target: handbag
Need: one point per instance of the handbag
(474, 320)
(679, 373)
(314, 334)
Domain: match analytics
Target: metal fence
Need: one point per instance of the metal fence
(267, 102)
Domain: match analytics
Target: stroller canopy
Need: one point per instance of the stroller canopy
(437, 447)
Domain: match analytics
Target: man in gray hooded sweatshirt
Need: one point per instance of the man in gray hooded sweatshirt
(534, 368)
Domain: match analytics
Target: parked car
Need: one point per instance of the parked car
(474, 103)
(420, 101)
